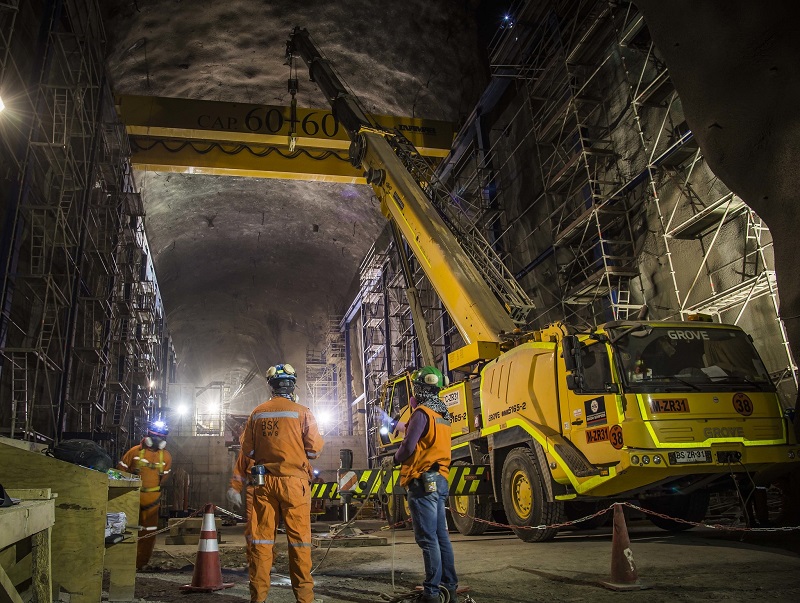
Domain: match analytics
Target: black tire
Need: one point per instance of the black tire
(465, 510)
(690, 507)
(396, 510)
(575, 510)
(525, 499)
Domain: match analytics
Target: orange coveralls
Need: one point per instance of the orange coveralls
(282, 435)
(241, 475)
(152, 466)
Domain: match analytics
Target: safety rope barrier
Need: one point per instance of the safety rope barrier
(495, 524)
(712, 526)
(177, 523)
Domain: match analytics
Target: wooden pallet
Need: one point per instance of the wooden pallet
(187, 531)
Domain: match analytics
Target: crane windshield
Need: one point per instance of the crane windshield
(692, 358)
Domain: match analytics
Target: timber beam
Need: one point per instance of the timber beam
(237, 139)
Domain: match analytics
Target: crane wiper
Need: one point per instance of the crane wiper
(735, 380)
(688, 384)
(634, 329)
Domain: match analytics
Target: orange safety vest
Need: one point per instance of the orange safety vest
(149, 465)
(433, 447)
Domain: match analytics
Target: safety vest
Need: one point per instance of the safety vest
(433, 448)
(141, 462)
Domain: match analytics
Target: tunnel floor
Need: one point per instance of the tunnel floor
(500, 568)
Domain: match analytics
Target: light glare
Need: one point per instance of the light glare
(323, 416)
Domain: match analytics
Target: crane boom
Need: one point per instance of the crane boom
(475, 310)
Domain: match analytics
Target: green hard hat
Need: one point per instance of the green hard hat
(430, 375)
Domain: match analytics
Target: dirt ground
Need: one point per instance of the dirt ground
(499, 568)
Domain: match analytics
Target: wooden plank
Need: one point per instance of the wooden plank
(25, 519)
(120, 558)
(120, 561)
(194, 525)
(183, 539)
(20, 569)
(30, 446)
(30, 493)
(7, 590)
(79, 532)
(8, 557)
(41, 572)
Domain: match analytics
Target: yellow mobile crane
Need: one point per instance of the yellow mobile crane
(633, 409)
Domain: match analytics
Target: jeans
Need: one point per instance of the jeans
(430, 532)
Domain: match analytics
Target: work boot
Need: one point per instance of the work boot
(453, 595)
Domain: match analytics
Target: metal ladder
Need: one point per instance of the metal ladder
(20, 418)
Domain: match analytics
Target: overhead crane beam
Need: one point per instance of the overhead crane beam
(238, 139)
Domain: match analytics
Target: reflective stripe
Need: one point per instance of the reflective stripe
(443, 421)
(123, 464)
(156, 489)
(257, 541)
(251, 453)
(311, 455)
(167, 471)
(300, 544)
(136, 458)
(208, 545)
(277, 414)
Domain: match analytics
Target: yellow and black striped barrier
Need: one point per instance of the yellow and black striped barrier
(464, 480)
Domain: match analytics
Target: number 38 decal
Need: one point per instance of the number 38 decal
(615, 437)
(742, 404)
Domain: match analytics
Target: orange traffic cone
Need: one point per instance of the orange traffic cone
(207, 572)
(623, 569)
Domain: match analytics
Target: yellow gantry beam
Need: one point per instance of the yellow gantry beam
(236, 139)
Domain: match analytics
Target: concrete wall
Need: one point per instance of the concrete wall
(208, 463)
(328, 462)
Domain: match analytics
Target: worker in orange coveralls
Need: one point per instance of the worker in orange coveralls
(152, 464)
(241, 473)
(281, 436)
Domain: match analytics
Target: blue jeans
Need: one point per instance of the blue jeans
(430, 532)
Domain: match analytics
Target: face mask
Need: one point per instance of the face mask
(158, 443)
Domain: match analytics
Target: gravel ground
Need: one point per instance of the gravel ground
(499, 568)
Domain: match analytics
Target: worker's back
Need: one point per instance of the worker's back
(282, 435)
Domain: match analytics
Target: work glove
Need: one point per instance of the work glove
(235, 498)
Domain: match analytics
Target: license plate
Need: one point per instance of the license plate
(671, 405)
(682, 457)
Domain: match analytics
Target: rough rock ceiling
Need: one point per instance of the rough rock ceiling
(250, 269)
(741, 103)
(232, 302)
